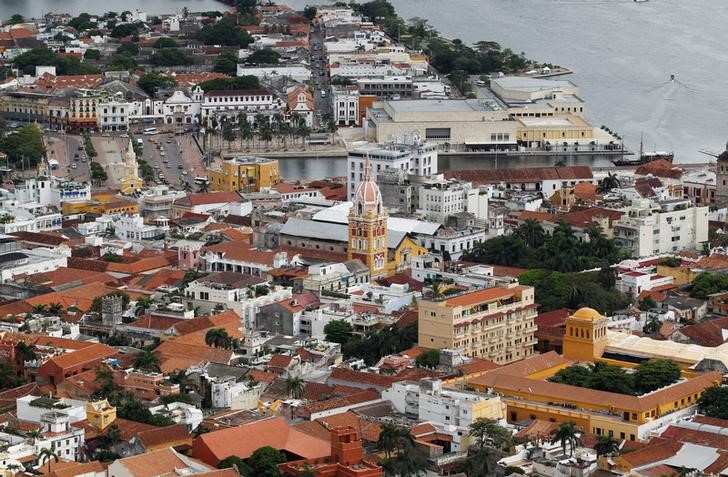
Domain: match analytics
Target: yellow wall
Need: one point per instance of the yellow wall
(489, 409)
(397, 263)
(246, 177)
(70, 208)
(682, 275)
(100, 419)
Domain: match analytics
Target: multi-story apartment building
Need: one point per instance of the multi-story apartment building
(410, 154)
(649, 228)
(229, 103)
(113, 113)
(493, 323)
(245, 174)
(429, 401)
(441, 198)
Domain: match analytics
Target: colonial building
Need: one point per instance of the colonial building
(721, 180)
(493, 323)
(368, 226)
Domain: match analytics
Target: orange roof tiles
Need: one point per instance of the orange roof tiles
(209, 198)
(240, 251)
(95, 352)
(50, 82)
(656, 450)
(243, 440)
(480, 296)
(158, 462)
(368, 430)
(81, 297)
(169, 435)
(280, 361)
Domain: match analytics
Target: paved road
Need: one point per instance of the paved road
(175, 156)
(319, 71)
(65, 149)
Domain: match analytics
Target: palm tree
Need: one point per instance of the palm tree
(566, 435)
(39, 309)
(146, 360)
(105, 379)
(436, 289)
(203, 188)
(45, 455)
(608, 183)
(653, 324)
(55, 308)
(266, 135)
(606, 445)
(219, 338)
(532, 232)
(295, 387)
(23, 352)
(303, 132)
(246, 134)
(388, 439)
(607, 277)
(186, 187)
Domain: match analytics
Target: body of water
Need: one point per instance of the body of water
(35, 8)
(623, 54)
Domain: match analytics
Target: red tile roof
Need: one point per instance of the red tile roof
(241, 251)
(243, 440)
(222, 197)
(707, 333)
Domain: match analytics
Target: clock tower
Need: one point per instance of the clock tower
(368, 225)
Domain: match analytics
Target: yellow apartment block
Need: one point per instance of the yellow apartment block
(682, 275)
(245, 174)
(494, 324)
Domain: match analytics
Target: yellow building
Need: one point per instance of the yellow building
(368, 226)
(25, 106)
(399, 258)
(245, 174)
(100, 414)
(554, 129)
(130, 180)
(682, 275)
(494, 323)
(528, 394)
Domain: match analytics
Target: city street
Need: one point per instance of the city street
(319, 73)
(65, 149)
(180, 155)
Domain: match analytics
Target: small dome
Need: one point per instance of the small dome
(586, 314)
(368, 194)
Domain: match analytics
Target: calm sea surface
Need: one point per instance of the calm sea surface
(622, 52)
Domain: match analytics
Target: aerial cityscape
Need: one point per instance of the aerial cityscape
(307, 238)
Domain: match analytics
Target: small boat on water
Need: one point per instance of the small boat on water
(644, 157)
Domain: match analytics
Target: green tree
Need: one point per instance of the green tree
(24, 352)
(165, 42)
(45, 455)
(566, 436)
(16, 19)
(264, 462)
(655, 373)
(647, 304)
(708, 283)
(9, 378)
(235, 462)
(146, 360)
(131, 49)
(92, 54)
(309, 12)
(151, 82)
(338, 331)
(394, 438)
(295, 387)
(98, 174)
(226, 63)
(25, 147)
(122, 62)
(82, 22)
(224, 32)
(653, 323)
(171, 57)
(105, 380)
(714, 402)
(611, 181)
(264, 56)
(531, 232)
(218, 338)
(480, 462)
(489, 432)
(606, 445)
(125, 29)
(428, 359)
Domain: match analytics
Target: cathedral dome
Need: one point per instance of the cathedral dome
(367, 196)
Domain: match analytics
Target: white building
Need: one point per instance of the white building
(32, 408)
(345, 106)
(180, 413)
(236, 292)
(411, 154)
(19, 261)
(441, 198)
(58, 435)
(229, 103)
(650, 228)
(113, 113)
(298, 73)
(181, 109)
(633, 283)
(313, 322)
(229, 394)
(429, 401)
(133, 228)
